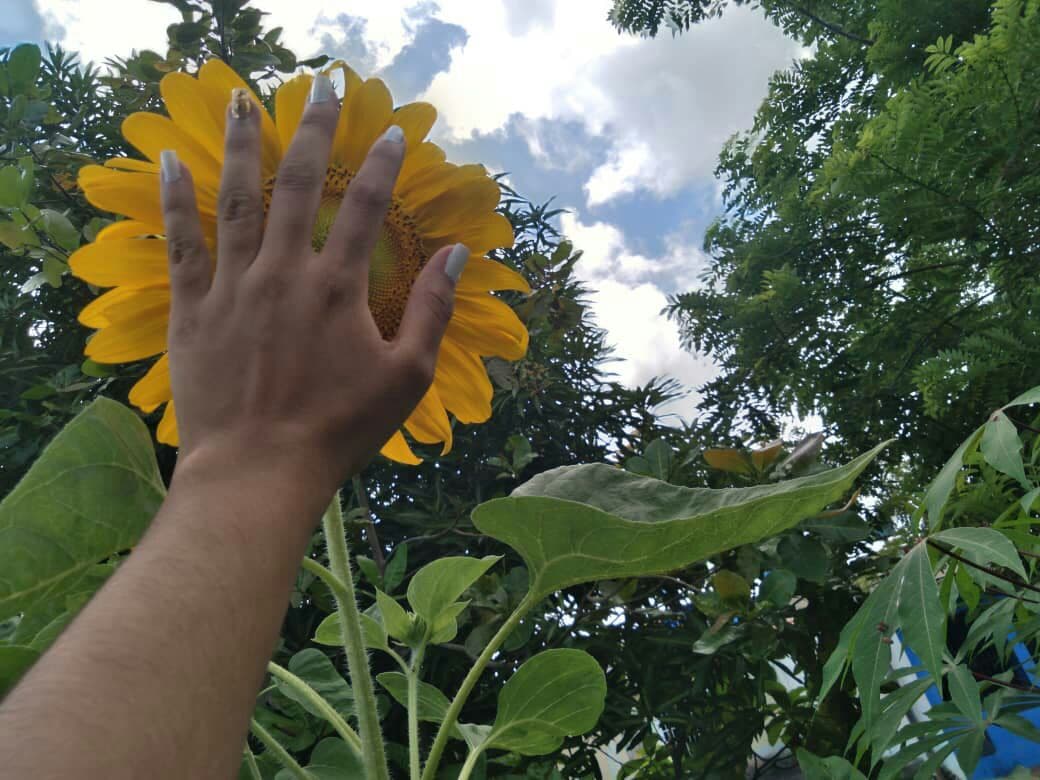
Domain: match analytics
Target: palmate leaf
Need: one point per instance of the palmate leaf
(91, 493)
(583, 523)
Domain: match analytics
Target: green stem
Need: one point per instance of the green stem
(357, 661)
(326, 576)
(471, 763)
(254, 770)
(319, 703)
(414, 763)
(276, 749)
(451, 717)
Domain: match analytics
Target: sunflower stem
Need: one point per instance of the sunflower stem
(275, 748)
(372, 751)
(451, 717)
(414, 758)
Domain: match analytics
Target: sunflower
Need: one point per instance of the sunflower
(435, 203)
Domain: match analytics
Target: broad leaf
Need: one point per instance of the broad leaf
(314, 667)
(372, 632)
(964, 692)
(659, 456)
(871, 654)
(15, 661)
(1002, 449)
(433, 705)
(396, 568)
(556, 694)
(91, 493)
(331, 759)
(921, 614)
(983, 546)
(438, 585)
(778, 587)
(583, 523)
(395, 619)
(733, 461)
(941, 487)
(832, 768)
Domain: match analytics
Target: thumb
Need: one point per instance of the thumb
(430, 305)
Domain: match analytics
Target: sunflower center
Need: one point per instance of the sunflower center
(398, 258)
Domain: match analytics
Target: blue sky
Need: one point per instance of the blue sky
(623, 132)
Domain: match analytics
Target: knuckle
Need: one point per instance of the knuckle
(296, 175)
(183, 328)
(441, 302)
(368, 196)
(335, 290)
(181, 250)
(238, 205)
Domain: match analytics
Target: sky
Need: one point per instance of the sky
(623, 132)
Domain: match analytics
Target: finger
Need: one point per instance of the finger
(301, 176)
(359, 222)
(189, 262)
(240, 207)
(429, 310)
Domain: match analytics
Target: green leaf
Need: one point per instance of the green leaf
(843, 529)
(433, 705)
(23, 67)
(983, 546)
(806, 557)
(91, 493)
(939, 491)
(438, 585)
(60, 229)
(1019, 726)
(372, 632)
(832, 768)
(15, 236)
(921, 614)
(314, 667)
(445, 627)
(396, 568)
(964, 692)
(15, 187)
(556, 694)
(871, 655)
(15, 661)
(731, 587)
(1029, 499)
(395, 618)
(659, 456)
(1002, 449)
(369, 570)
(778, 587)
(710, 642)
(331, 759)
(584, 523)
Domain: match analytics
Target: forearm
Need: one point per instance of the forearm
(173, 649)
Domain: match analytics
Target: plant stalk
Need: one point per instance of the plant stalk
(451, 717)
(276, 749)
(372, 751)
(414, 759)
(320, 703)
(254, 770)
(471, 764)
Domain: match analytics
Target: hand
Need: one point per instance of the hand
(275, 359)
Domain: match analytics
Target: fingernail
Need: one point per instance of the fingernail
(456, 262)
(169, 165)
(394, 133)
(241, 103)
(321, 89)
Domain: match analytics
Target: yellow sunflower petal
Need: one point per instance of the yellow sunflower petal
(429, 423)
(470, 201)
(132, 262)
(289, 102)
(151, 134)
(198, 109)
(167, 430)
(434, 180)
(397, 449)
(462, 382)
(363, 118)
(136, 195)
(153, 388)
(130, 164)
(415, 119)
(136, 338)
(487, 326)
(128, 228)
(481, 275)
(98, 313)
(490, 231)
(219, 75)
(417, 159)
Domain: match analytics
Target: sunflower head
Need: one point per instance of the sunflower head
(435, 203)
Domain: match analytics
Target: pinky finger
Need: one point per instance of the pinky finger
(189, 262)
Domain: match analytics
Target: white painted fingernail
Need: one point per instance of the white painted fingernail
(456, 261)
(321, 89)
(169, 165)
(394, 133)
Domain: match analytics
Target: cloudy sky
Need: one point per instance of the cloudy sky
(623, 132)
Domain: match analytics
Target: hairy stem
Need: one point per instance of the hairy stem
(357, 660)
(414, 761)
(318, 701)
(452, 716)
(254, 770)
(275, 748)
(471, 764)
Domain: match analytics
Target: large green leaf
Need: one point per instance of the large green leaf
(331, 759)
(871, 654)
(438, 585)
(91, 493)
(1002, 449)
(582, 523)
(939, 491)
(556, 694)
(984, 546)
(314, 668)
(921, 614)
